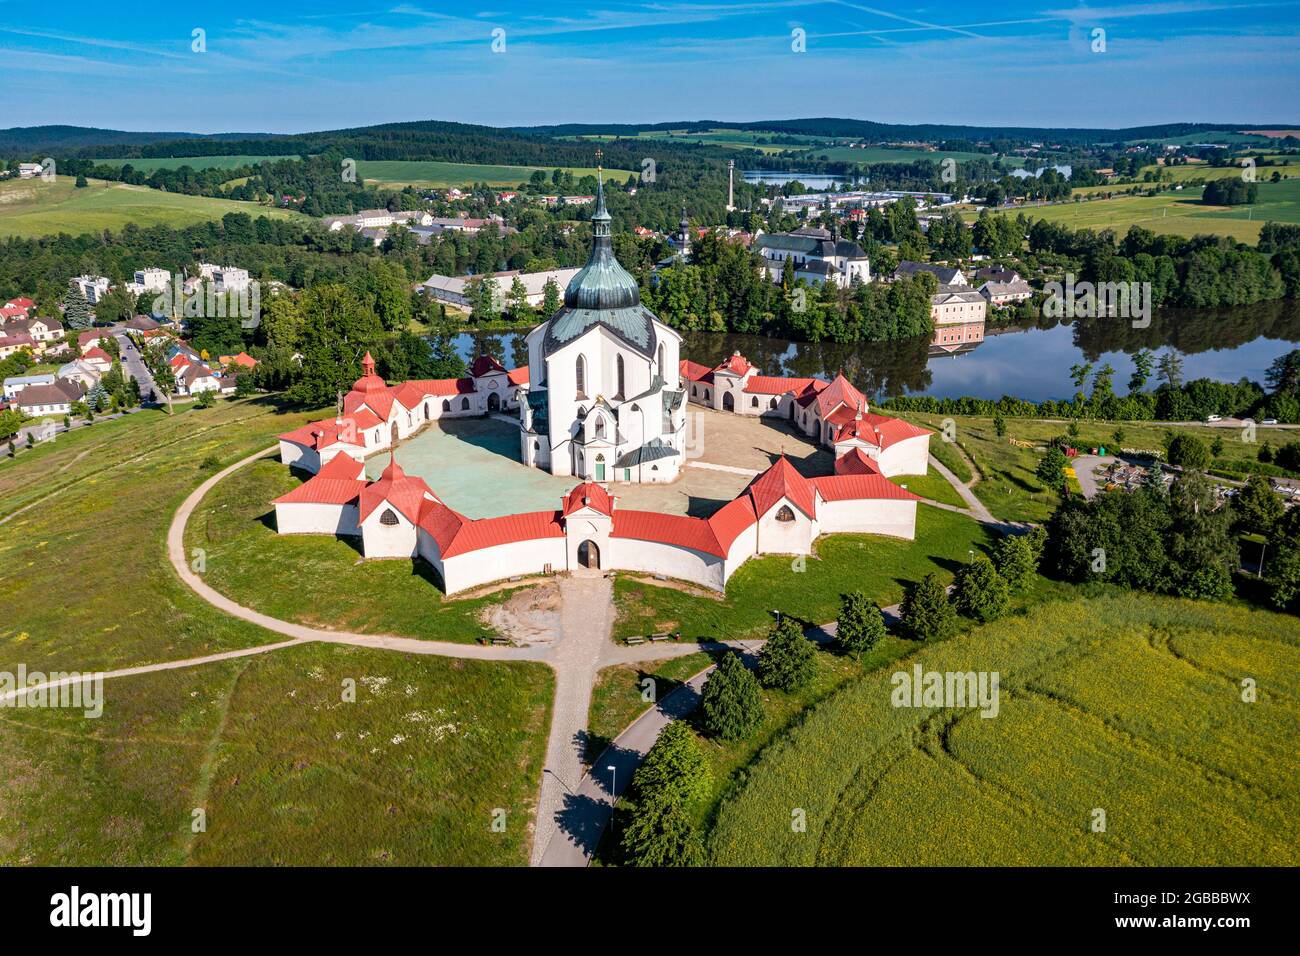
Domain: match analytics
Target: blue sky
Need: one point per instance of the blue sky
(294, 66)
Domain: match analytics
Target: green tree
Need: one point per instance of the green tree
(981, 593)
(731, 705)
(787, 661)
(338, 329)
(666, 791)
(999, 424)
(76, 310)
(550, 298)
(1051, 469)
(926, 611)
(1188, 451)
(1256, 508)
(860, 626)
(1015, 560)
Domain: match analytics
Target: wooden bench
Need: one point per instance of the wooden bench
(636, 640)
(660, 637)
(502, 642)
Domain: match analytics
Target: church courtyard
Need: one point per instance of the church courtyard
(473, 465)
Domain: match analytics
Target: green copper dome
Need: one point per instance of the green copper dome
(602, 293)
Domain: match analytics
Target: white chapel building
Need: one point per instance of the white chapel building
(603, 399)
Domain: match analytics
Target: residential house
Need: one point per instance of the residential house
(53, 399)
(93, 288)
(16, 383)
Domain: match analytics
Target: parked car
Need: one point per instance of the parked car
(1269, 421)
(1213, 418)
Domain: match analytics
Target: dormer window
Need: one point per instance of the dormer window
(785, 514)
(388, 519)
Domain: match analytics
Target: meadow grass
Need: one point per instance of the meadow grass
(318, 580)
(285, 771)
(1009, 486)
(32, 207)
(885, 785)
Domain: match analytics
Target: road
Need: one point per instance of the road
(133, 363)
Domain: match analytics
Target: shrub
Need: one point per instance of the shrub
(787, 660)
(732, 704)
(926, 612)
(1051, 469)
(860, 626)
(981, 592)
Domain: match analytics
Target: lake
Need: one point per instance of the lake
(813, 181)
(1029, 362)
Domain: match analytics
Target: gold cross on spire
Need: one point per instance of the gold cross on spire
(599, 155)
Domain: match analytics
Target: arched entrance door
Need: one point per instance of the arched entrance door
(600, 467)
(728, 403)
(589, 554)
(494, 402)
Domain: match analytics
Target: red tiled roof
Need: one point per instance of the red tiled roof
(839, 392)
(21, 302)
(244, 359)
(404, 492)
(97, 353)
(855, 462)
(457, 535)
(735, 364)
(782, 480)
(731, 519)
(90, 334)
(676, 530)
(334, 484)
(318, 435)
(518, 376)
(588, 495)
(485, 365)
(777, 385)
(695, 372)
(847, 487)
(809, 394)
(878, 430)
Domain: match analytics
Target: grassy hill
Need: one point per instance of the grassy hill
(194, 162)
(1177, 213)
(439, 174)
(32, 207)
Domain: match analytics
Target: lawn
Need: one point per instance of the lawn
(1128, 704)
(878, 566)
(1179, 213)
(149, 165)
(286, 772)
(318, 579)
(1009, 486)
(439, 174)
(931, 485)
(33, 207)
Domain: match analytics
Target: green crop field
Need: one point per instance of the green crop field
(1121, 737)
(1178, 213)
(439, 174)
(149, 165)
(33, 207)
(286, 772)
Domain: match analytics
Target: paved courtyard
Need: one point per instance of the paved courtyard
(473, 465)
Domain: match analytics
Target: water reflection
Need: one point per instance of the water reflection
(1031, 362)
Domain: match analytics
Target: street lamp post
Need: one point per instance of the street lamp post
(613, 796)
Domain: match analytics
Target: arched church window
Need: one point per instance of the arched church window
(446, 405)
(464, 404)
(753, 402)
(580, 376)
(661, 360)
(785, 514)
(618, 367)
(600, 427)
(773, 404)
(388, 519)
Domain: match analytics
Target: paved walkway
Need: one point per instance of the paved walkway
(976, 507)
(586, 623)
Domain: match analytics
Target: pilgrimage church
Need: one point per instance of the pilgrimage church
(604, 399)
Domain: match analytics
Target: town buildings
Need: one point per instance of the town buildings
(818, 256)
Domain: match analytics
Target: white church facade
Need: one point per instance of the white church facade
(604, 400)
